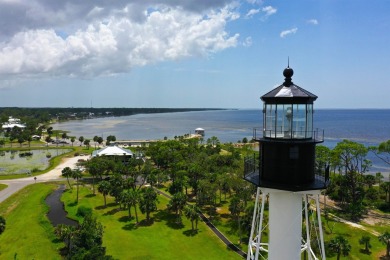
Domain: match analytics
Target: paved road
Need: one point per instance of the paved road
(55, 174)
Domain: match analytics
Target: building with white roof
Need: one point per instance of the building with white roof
(113, 151)
(12, 122)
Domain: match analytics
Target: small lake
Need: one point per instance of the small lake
(23, 162)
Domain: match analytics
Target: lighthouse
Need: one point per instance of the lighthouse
(285, 176)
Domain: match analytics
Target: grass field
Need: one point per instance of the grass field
(28, 233)
(160, 239)
(3, 186)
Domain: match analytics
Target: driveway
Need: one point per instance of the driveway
(55, 174)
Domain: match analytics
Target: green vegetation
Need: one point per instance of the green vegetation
(84, 241)
(29, 234)
(45, 115)
(3, 186)
(206, 177)
(160, 238)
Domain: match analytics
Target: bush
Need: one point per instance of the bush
(83, 211)
(385, 207)
(76, 154)
(35, 170)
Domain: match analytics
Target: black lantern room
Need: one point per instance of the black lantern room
(287, 145)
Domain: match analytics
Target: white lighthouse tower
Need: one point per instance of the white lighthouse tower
(285, 176)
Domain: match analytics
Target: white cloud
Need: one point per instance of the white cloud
(269, 10)
(313, 21)
(287, 32)
(252, 12)
(247, 42)
(253, 2)
(111, 39)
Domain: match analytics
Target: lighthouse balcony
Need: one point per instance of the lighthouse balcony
(252, 173)
(283, 134)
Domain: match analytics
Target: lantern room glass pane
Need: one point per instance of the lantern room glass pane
(269, 120)
(299, 121)
(288, 121)
(309, 119)
(283, 126)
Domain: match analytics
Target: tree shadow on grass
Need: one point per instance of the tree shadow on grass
(90, 195)
(109, 205)
(130, 226)
(125, 218)
(190, 233)
(145, 222)
(112, 212)
(72, 204)
(169, 218)
(364, 251)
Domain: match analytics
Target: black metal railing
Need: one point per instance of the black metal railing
(251, 165)
(317, 135)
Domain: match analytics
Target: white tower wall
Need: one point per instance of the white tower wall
(285, 225)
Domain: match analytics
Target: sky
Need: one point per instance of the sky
(192, 53)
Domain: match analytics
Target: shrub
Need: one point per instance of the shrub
(83, 211)
(35, 170)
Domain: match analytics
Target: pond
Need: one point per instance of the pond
(23, 162)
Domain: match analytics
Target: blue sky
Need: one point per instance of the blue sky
(195, 53)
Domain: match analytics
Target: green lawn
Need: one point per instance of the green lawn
(162, 239)
(28, 233)
(3, 186)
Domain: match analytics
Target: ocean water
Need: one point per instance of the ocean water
(366, 126)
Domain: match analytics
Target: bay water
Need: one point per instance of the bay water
(366, 126)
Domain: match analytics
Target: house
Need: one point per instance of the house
(12, 122)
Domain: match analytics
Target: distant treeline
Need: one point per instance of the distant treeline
(46, 114)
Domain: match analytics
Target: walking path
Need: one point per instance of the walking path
(17, 184)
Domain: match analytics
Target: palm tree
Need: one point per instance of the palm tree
(236, 207)
(385, 187)
(67, 172)
(2, 224)
(65, 233)
(81, 139)
(104, 188)
(191, 213)
(100, 140)
(177, 204)
(340, 245)
(365, 240)
(95, 138)
(76, 174)
(86, 143)
(72, 139)
(148, 202)
(47, 140)
(385, 239)
(134, 200)
(125, 200)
